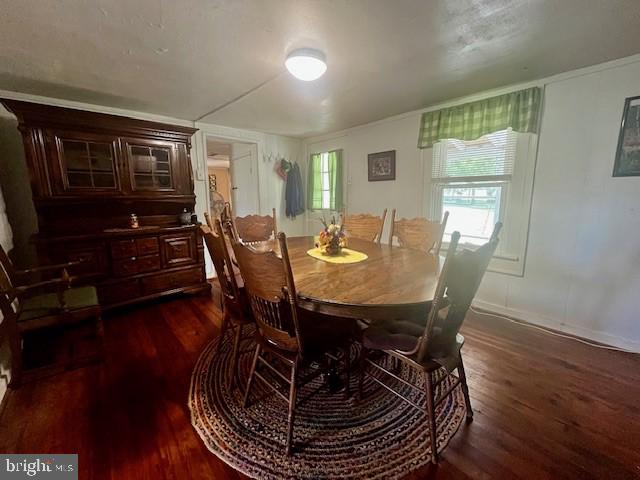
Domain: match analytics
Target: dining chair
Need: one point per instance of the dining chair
(236, 311)
(256, 228)
(30, 303)
(286, 334)
(207, 219)
(418, 233)
(364, 226)
(433, 348)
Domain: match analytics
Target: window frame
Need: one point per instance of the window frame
(325, 178)
(515, 208)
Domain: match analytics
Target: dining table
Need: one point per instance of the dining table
(393, 282)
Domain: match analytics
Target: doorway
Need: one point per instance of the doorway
(232, 172)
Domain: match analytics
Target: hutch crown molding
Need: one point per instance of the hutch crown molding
(89, 172)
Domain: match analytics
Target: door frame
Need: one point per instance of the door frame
(201, 170)
(233, 139)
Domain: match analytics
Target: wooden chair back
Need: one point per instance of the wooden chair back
(207, 219)
(268, 281)
(458, 283)
(364, 226)
(217, 246)
(226, 215)
(7, 295)
(256, 228)
(418, 233)
(8, 272)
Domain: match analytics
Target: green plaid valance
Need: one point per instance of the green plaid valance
(518, 110)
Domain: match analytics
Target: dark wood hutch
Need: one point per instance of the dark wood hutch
(89, 172)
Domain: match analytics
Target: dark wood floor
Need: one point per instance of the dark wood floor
(545, 407)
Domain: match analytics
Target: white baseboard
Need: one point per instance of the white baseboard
(542, 321)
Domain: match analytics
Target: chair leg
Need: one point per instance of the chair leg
(431, 414)
(465, 389)
(347, 371)
(363, 368)
(223, 331)
(292, 405)
(100, 333)
(251, 372)
(235, 355)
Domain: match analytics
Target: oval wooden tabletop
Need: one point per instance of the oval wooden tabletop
(393, 282)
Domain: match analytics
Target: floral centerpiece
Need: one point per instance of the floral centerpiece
(332, 238)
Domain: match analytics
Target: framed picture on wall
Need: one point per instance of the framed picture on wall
(627, 162)
(382, 166)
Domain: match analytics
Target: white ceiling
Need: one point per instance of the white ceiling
(185, 58)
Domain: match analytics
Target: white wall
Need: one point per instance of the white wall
(582, 270)
(7, 243)
(361, 196)
(270, 185)
(14, 181)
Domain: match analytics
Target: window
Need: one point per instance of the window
(483, 181)
(325, 181)
(471, 178)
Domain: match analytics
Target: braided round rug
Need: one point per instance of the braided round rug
(334, 437)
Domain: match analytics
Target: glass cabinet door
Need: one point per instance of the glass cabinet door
(87, 164)
(151, 166)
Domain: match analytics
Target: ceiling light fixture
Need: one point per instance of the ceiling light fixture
(306, 64)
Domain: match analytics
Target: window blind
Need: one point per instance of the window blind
(490, 157)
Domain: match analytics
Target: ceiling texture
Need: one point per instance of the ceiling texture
(189, 57)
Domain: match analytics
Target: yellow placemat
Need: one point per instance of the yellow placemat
(346, 255)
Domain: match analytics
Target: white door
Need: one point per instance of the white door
(244, 179)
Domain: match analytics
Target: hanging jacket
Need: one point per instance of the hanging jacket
(294, 196)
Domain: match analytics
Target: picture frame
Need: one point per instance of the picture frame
(627, 161)
(382, 166)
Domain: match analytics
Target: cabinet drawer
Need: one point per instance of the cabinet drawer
(171, 281)
(178, 249)
(125, 267)
(123, 248)
(149, 263)
(93, 259)
(147, 246)
(119, 292)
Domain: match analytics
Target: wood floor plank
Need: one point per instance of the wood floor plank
(546, 407)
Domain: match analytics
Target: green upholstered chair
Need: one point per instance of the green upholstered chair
(29, 303)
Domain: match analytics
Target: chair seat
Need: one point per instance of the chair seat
(76, 298)
(377, 338)
(403, 336)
